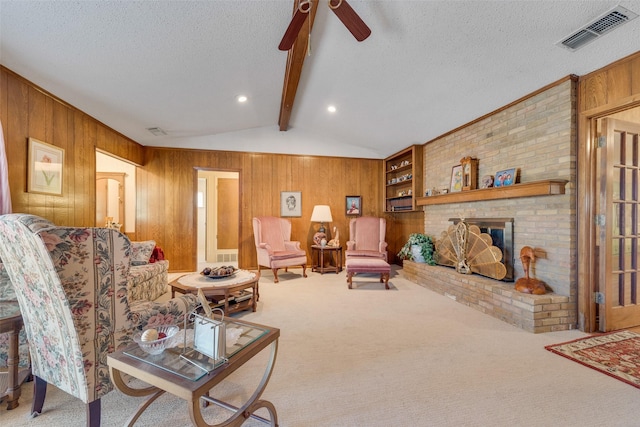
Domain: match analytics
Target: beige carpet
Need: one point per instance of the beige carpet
(402, 357)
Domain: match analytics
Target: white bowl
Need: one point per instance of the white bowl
(156, 346)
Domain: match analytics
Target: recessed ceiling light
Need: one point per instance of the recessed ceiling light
(331, 108)
(242, 98)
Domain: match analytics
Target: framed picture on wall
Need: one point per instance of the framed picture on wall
(354, 205)
(45, 168)
(290, 203)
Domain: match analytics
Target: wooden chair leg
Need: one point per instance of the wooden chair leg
(275, 275)
(39, 393)
(304, 270)
(93, 413)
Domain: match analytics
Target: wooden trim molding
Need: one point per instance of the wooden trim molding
(529, 189)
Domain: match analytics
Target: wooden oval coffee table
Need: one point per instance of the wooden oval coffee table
(231, 294)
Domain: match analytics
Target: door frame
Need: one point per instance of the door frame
(195, 210)
(587, 207)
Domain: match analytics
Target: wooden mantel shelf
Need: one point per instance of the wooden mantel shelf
(528, 189)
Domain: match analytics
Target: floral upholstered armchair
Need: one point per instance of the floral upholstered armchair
(71, 284)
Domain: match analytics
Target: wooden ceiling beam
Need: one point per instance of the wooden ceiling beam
(295, 60)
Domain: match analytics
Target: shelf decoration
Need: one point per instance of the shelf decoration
(469, 173)
(506, 177)
(456, 179)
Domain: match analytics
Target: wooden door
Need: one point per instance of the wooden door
(228, 218)
(619, 233)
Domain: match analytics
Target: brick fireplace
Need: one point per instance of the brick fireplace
(537, 136)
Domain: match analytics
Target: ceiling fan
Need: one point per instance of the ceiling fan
(343, 11)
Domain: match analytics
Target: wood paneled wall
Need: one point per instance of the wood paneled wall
(612, 87)
(28, 111)
(167, 178)
(167, 186)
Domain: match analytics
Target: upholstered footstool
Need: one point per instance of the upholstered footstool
(368, 265)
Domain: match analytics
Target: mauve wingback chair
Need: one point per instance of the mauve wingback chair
(367, 238)
(274, 247)
(71, 285)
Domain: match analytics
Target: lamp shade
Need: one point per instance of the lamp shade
(321, 213)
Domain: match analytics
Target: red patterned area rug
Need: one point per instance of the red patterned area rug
(616, 354)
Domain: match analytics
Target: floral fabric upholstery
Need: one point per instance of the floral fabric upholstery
(7, 293)
(6, 288)
(141, 252)
(71, 284)
(148, 282)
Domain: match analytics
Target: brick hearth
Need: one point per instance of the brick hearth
(533, 313)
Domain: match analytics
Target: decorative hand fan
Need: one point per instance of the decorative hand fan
(470, 252)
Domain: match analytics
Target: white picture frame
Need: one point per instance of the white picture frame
(291, 203)
(45, 172)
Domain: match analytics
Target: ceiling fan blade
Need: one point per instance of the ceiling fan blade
(350, 19)
(293, 29)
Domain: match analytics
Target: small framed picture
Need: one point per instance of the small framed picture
(506, 177)
(486, 181)
(290, 203)
(354, 205)
(456, 179)
(46, 162)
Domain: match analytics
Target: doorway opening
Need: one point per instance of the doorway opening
(115, 193)
(218, 218)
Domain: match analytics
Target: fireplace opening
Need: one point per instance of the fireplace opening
(501, 232)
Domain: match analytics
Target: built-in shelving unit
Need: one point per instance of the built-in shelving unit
(528, 189)
(403, 179)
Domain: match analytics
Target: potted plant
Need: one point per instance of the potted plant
(419, 248)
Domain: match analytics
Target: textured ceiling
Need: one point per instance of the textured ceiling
(428, 67)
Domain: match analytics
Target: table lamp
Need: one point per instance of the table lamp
(321, 214)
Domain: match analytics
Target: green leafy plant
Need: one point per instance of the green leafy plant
(427, 248)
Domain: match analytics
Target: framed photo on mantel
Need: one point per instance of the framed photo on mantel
(506, 177)
(456, 179)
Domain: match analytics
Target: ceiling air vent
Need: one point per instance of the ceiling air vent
(157, 131)
(600, 26)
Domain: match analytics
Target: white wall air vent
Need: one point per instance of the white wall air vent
(598, 27)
